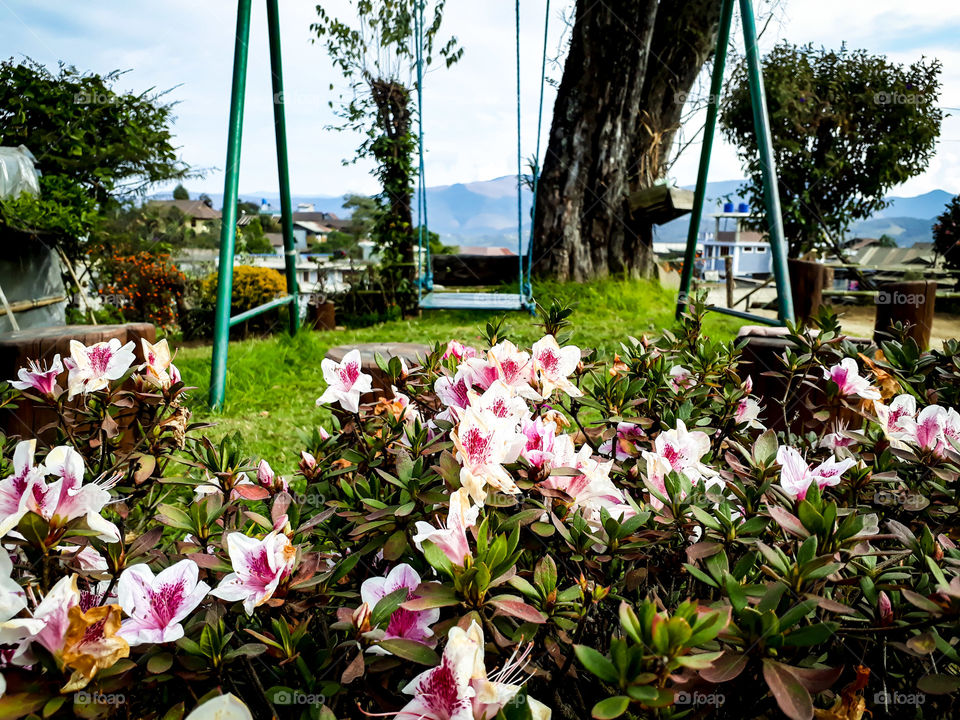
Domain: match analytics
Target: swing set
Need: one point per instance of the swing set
(427, 298)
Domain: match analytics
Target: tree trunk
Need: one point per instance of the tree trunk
(618, 108)
(393, 151)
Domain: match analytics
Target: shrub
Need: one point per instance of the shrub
(143, 286)
(506, 533)
(252, 286)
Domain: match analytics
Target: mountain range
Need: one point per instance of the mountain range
(484, 213)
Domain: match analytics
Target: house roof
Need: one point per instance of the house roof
(323, 218)
(313, 227)
(191, 208)
(276, 239)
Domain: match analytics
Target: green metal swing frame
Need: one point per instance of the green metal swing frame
(761, 123)
(228, 232)
(427, 298)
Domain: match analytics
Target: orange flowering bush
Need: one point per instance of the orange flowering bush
(144, 286)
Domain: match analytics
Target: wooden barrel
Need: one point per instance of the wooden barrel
(910, 302)
(808, 280)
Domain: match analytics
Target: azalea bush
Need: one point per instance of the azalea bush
(501, 533)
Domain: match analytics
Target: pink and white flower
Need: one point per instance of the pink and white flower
(540, 435)
(346, 381)
(454, 392)
(514, 367)
(936, 430)
(67, 498)
(592, 489)
(459, 351)
(157, 604)
(626, 438)
(158, 369)
(407, 624)
(12, 597)
(39, 377)
(48, 625)
(748, 413)
(838, 439)
(898, 419)
(484, 443)
(93, 368)
(501, 401)
(680, 378)
(846, 375)
(270, 480)
(796, 475)
(451, 537)
(459, 687)
(679, 450)
(553, 366)
(15, 490)
(258, 568)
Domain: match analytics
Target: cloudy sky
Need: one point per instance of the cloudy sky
(187, 45)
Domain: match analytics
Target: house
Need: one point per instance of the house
(199, 215)
(750, 253)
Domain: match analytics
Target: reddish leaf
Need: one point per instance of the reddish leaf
(725, 668)
(788, 691)
(251, 492)
(354, 670)
(518, 609)
(815, 679)
(788, 522)
(280, 505)
(701, 550)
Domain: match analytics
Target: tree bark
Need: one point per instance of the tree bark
(618, 108)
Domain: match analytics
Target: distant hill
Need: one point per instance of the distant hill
(484, 213)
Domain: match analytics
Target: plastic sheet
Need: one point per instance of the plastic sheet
(17, 172)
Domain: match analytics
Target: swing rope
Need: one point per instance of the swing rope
(424, 279)
(528, 289)
(525, 264)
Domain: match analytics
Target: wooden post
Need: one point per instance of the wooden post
(910, 302)
(728, 268)
(808, 280)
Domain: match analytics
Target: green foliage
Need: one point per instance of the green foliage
(94, 145)
(252, 286)
(180, 193)
(847, 126)
(946, 234)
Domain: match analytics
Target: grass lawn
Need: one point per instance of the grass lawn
(273, 383)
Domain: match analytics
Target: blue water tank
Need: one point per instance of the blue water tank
(743, 207)
(728, 207)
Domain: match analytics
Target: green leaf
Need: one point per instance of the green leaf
(160, 663)
(597, 664)
(612, 707)
(387, 605)
(410, 650)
